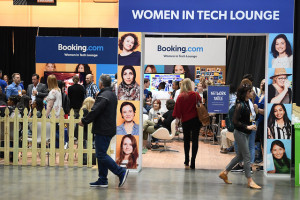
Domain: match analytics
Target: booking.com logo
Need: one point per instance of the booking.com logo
(181, 49)
(77, 47)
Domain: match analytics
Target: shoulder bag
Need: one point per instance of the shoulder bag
(203, 115)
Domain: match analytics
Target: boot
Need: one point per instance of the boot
(224, 176)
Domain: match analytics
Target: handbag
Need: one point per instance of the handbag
(202, 113)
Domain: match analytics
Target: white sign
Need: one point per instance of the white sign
(185, 51)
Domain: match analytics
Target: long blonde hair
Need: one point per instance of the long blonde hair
(52, 82)
(186, 85)
(88, 103)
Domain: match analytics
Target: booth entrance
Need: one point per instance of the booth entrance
(243, 55)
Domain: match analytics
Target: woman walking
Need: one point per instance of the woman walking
(185, 110)
(242, 130)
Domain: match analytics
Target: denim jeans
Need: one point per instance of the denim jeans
(251, 146)
(105, 162)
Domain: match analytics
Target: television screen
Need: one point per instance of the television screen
(155, 79)
(66, 77)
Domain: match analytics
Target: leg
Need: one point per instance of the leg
(238, 158)
(186, 138)
(252, 146)
(105, 162)
(195, 140)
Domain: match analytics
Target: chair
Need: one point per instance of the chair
(164, 134)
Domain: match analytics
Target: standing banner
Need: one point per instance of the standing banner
(218, 99)
(271, 17)
(129, 92)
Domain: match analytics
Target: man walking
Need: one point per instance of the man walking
(103, 116)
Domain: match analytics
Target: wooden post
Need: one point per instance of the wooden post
(52, 138)
(61, 138)
(80, 142)
(6, 137)
(25, 138)
(90, 146)
(43, 138)
(34, 139)
(16, 138)
(71, 138)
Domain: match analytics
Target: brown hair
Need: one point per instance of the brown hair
(132, 160)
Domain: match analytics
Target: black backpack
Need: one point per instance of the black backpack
(229, 118)
(66, 103)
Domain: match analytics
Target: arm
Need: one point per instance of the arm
(8, 92)
(43, 93)
(95, 90)
(281, 95)
(50, 104)
(99, 105)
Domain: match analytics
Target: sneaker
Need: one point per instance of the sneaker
(237, 168)
(251, 171)
(123, 178)
(224, 151)
(99, 184)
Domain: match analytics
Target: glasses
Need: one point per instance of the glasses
(282, 79)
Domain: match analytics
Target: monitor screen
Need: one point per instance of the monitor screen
(155, 79)
(67, 77)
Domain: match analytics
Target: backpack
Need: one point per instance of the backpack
(66, 103)
(229, 118)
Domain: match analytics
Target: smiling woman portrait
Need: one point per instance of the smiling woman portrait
(128, 89)
(128, 154)
(279, 91)
(282, 163)
(128, 111)
(127, 44)
(282, 52)
(279, 125)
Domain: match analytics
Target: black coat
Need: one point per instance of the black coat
(103, 113)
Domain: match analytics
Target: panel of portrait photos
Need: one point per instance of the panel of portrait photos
(128, 93)
(279, 108)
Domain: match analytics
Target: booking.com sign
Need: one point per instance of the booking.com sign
(77, 47)
(179, 49)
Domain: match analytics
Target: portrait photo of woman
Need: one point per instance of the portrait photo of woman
(127, 44)
(150, 69)
(279, 124)
(282, 52)
(281, 163)
(183, 69)
(49, 67)
(279, 90)
(128, 89)
(83, 68)
(128, 110)
(128, 152)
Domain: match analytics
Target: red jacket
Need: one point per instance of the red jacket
(185, 107)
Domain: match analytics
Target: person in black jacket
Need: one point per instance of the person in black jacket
(242, 129)
(103, 115)
(76, 95)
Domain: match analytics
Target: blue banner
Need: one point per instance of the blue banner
(203, 16)
(218, 99)
(92, 50)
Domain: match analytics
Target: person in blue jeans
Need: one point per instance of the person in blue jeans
(103, 116)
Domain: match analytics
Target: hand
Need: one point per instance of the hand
(80, 123)
(287, 84)
(34, 92)
(251, 127)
